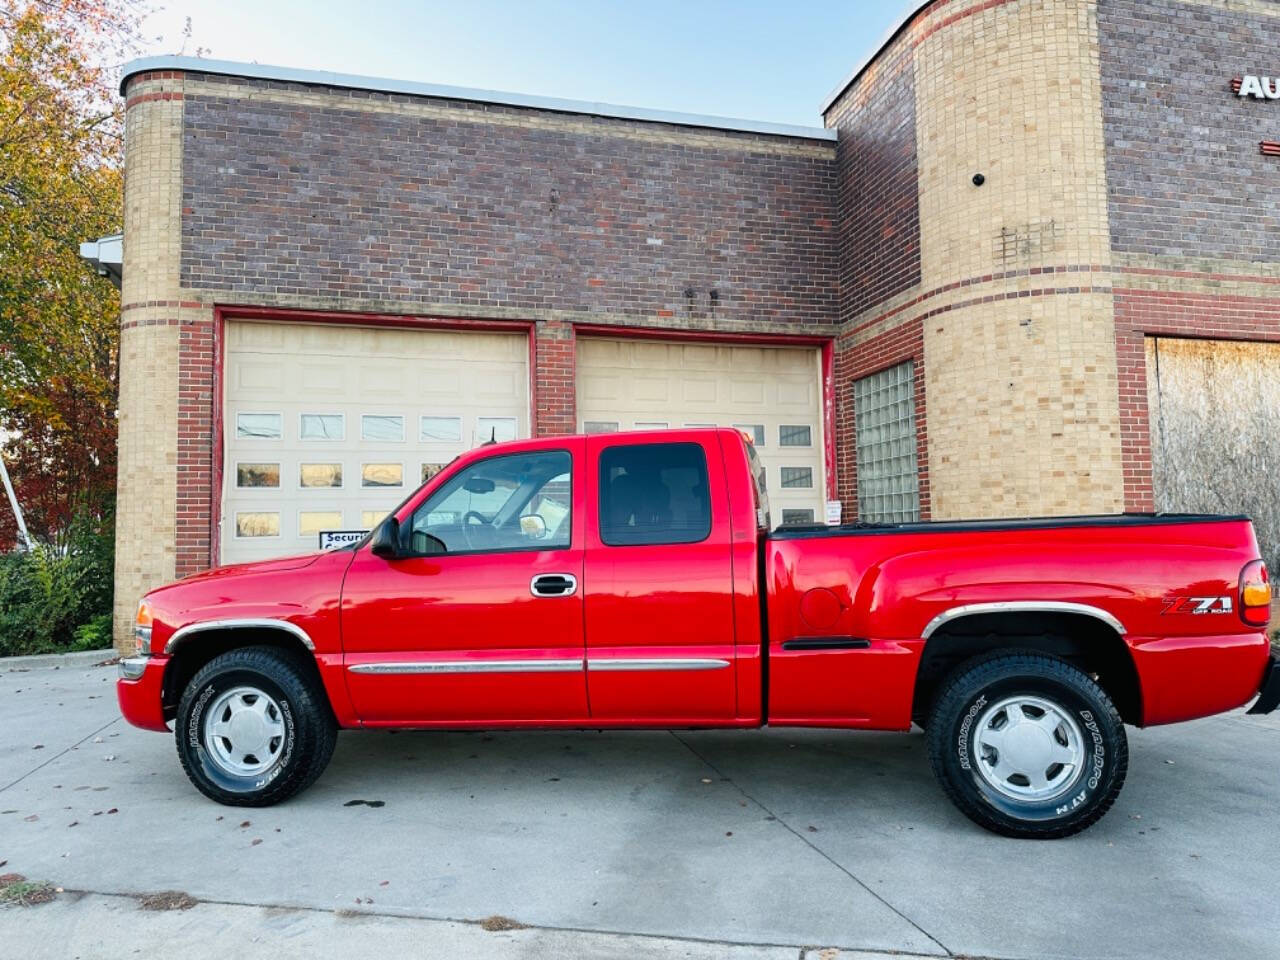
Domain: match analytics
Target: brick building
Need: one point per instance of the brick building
(1027, 266)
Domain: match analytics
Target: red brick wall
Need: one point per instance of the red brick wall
(854, 361)
(195, 443)
(877, 197)
(1143, 313)
(554, 376)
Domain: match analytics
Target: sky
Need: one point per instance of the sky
(754, 59)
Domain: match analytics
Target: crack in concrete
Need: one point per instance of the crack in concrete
(61, 753)
(79, 892)
(814, 847)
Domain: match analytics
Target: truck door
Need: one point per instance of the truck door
(658, 582)
(480, 623)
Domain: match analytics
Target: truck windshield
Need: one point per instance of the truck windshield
(762, 491)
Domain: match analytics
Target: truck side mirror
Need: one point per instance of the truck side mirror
(385, 541)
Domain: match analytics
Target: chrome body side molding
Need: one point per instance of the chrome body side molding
(606, 664)
(263, 624)
(1023, 606)
(469, 666)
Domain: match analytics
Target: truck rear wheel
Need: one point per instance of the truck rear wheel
(254, 728)
(1026, 745)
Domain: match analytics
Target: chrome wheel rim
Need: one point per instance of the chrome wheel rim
(1028, 749)
(244, 731)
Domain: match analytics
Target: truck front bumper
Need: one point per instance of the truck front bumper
(139, 691)
(1269, 692)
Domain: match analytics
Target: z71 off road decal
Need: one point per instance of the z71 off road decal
(1196, 605)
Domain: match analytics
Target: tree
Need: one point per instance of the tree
(60, 183)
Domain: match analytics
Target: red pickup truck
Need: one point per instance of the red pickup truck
(634, 580)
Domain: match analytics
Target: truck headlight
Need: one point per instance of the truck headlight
(142, 630)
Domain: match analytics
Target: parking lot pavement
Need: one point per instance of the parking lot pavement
(690, 844)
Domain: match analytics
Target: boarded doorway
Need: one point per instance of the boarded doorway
(1215, 430)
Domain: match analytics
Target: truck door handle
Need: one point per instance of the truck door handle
(553, 585)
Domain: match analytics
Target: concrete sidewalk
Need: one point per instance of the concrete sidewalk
(684, 844)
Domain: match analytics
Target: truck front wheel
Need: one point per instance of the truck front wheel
(254, 728)
(1026, 745)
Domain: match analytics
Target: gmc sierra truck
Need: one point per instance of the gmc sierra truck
(633, 580)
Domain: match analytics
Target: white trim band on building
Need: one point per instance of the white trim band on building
(262, 71)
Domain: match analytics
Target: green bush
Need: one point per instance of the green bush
(54, 599)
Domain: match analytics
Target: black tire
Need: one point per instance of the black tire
(296, 705)
(972, 698)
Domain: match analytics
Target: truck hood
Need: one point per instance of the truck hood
(248, 569)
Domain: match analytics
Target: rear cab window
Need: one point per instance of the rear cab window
(654, 493)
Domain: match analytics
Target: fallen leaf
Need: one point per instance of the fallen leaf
(38, 746)
(109, 757)
(255, 842)
(387, 882)
(113, 810)
(244, 824)
(813, 829)
(32, 818)
(74, 823)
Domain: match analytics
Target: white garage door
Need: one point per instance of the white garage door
(327, 427)
(774, 393)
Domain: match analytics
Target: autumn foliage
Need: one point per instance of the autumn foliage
(60, 184)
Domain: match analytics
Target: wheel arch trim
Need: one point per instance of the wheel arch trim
(240, 623)
(1022, 606)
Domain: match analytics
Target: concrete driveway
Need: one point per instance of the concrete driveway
(666, 844)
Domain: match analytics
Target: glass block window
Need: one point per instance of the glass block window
(885, 414)
(756, 431)
(259, 426)
(321, 426)
(797, 478)
(429, 470)
(790, 517)
(600, 426)
(795, 435)
(380, 428)
(257, 474)
(440, 429)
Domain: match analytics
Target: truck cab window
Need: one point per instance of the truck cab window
(654, 493)
(516, 502)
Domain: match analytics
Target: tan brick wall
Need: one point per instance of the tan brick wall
(148, 407)
(1023, 412)
(1023, 407)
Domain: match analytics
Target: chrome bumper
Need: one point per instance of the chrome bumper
(131, 668)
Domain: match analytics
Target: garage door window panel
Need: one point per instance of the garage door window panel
(499, 505)
(257, 524)
(495, 429)
(259, 426)
(322, 476)
(381, 428)
(440, 429)
(322, 426)
(311, 522)
(382, 474)
(795, 435)
(796, 478)
(654, 493)
(257, 475)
